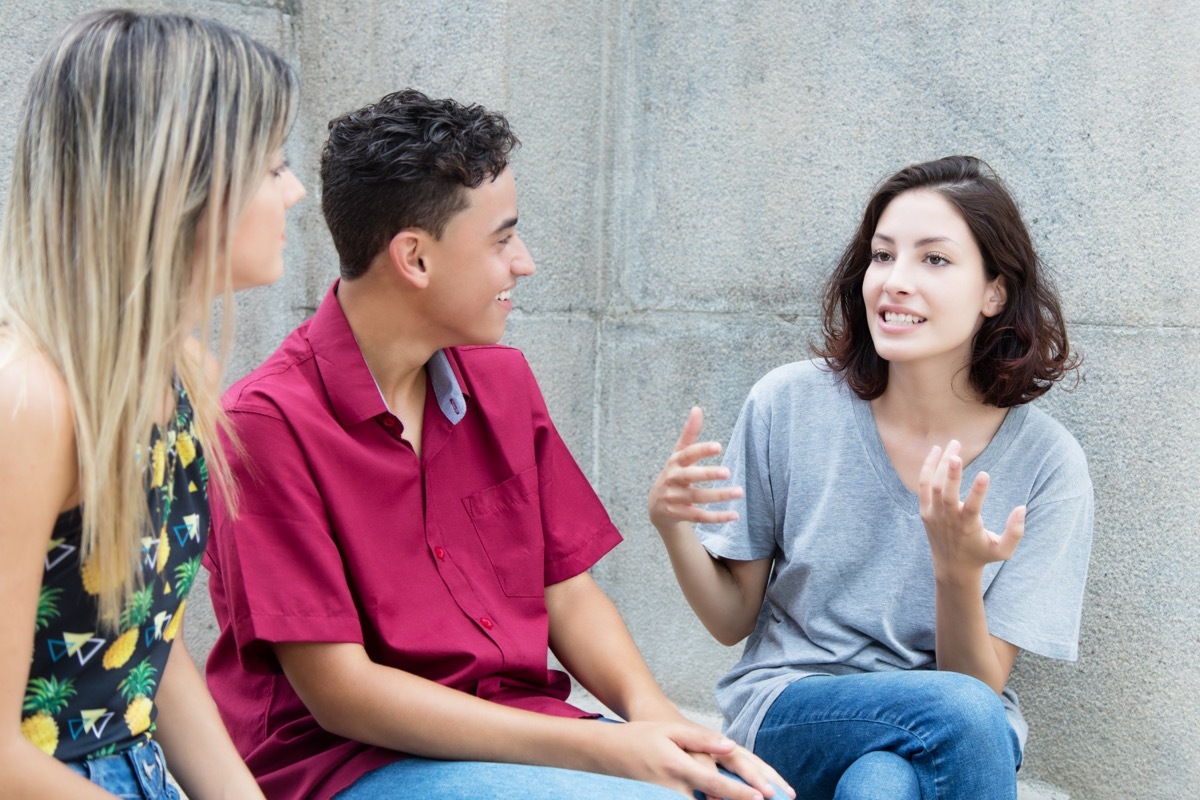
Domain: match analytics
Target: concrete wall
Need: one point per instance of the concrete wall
(690, 172)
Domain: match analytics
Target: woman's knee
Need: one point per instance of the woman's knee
(970, 706)
(879, 775)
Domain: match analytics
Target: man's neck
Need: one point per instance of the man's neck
(390, 339)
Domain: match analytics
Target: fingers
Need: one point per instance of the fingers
(1014, 529)
(925, 482)
(704, 474)
(974, 503)
(691, 428)
(698, 739)
(691, 513)
(705, 779)
(689, 455)
(756, 772)
(947, 478)
(713, 784)
(676, 495)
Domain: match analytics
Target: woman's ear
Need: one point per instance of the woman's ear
(996, 297)
(405, 254)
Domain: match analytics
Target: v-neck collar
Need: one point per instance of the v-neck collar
(889, 479)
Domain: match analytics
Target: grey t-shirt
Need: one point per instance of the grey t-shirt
(852, 586)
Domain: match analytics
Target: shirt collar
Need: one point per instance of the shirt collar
(447, 388)
(348, 382)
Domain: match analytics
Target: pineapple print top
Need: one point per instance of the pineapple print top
(91, 693)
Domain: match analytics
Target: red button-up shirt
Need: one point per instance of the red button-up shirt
(437, 565)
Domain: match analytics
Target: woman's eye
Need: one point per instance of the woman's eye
(279, 170)
(881, 256)
(936, 260)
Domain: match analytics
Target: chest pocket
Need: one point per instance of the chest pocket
(507, 519)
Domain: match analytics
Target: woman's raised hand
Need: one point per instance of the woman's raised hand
(957, 538)
(674, 496)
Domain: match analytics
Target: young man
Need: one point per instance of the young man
(412, 532)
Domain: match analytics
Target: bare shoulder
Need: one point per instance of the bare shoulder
(37, 430)
(31, 387)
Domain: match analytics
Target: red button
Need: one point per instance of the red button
(388, 422)
(486, 623)
(440, 552)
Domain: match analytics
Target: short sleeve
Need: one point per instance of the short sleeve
(752, 535)
(576, 527)
(280, 536)
(1035, 600)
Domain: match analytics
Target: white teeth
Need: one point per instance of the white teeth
(505, 295)
(893, 318)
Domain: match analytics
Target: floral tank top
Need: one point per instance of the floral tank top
(91, 692)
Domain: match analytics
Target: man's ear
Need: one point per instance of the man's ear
(405, 253)
(996, 298)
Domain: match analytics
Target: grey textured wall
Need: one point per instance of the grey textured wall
(690, 172)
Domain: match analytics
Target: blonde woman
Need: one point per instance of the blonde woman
(147, 181)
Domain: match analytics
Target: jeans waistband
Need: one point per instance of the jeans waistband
(136, 773)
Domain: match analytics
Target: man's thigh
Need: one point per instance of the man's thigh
(479, 780)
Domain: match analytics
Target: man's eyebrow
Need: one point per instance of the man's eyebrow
(508, 223)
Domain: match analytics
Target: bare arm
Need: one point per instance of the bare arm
(197, 747)
(37, 482)
(726, 595)
(589, 637)
(961, 547)
(351, 696)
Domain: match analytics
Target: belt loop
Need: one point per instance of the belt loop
(144, 760)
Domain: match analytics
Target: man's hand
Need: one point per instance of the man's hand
(683, 756)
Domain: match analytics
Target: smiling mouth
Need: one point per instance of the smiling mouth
(505, 295)
(894, 318)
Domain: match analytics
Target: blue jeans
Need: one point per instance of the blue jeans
(468, 780)
(139, 773)
(902, 735)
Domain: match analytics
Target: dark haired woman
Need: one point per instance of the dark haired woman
(898, 522)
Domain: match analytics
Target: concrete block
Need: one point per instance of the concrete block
(561, 350)
(1133, 690)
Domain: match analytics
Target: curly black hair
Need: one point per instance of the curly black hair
(1017, 354)
(405, 161)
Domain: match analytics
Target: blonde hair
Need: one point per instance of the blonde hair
(142, 136)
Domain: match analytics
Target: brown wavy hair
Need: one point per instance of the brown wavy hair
(1017, 354)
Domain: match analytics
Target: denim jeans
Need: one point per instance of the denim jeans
(902, 735)
(139, 773)
(468, 780)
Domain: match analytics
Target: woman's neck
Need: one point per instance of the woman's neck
(922, 408)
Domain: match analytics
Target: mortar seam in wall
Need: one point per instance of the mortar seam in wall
(613, 314)
(600, 190)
